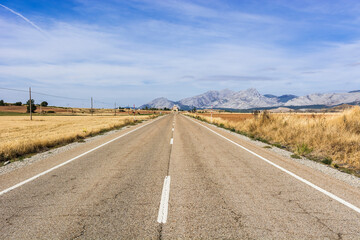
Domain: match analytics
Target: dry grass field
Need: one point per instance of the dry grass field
(230, 116)
(73, 111)
(20, 136)
(236, 117)
(331, 138)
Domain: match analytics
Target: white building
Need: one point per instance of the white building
(175, 108)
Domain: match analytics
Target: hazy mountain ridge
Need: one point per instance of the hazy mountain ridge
(160, 103)
(282, 98)
(206, 99)
(328, 99)
(251, 98)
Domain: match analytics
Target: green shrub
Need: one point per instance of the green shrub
(327, 161)
(33, 107)
(278, 145)
(295, 156)
(303, 149)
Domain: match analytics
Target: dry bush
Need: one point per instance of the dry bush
(19, 136)
(321, 136)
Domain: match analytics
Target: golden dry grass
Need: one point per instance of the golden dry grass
(19, 135)
(335, 136)
(230, 116)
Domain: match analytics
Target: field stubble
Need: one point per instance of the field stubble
(330, 138)
(20, 136)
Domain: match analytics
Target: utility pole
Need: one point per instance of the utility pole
(30, 103)
(115, 109)
(91, 106)
(134, 112)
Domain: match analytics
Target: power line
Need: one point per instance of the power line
(11, 89)
(56, 96)
(44, 94)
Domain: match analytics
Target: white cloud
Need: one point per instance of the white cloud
(155, 55)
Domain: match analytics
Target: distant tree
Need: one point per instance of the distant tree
(44, 104)
(18, 103)
(2, 103)
(194, 109)
(33, 107)
(146, 108)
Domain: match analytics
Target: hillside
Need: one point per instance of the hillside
(251, 98)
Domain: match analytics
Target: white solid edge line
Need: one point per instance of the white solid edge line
(340, 200)
(68, 161)
(164, 203)
(171, 141)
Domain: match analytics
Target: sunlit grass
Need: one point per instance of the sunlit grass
(19, 135)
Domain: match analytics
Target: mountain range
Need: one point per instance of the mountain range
(251, 98)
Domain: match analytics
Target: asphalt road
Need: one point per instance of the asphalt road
(213, 189)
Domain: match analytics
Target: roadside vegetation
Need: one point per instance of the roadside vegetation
(19, 136)
(331, 139)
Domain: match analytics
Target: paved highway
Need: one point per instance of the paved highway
(174, 177)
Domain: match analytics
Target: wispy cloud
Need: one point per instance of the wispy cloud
(226, 78)
(25, 19)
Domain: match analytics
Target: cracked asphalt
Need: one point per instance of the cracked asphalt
(217, 191)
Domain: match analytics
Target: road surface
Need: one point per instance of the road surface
(170, 178)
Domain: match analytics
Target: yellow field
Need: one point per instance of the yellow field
(75, 111)
(333, 136)
(19, 135)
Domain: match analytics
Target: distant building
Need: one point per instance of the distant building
(175, 108)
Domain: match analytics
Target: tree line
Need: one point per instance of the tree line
(33, 106)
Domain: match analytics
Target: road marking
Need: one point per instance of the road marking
(172, 129)
(164, 203)
(171, 141)
(329, 194)
(68, 161)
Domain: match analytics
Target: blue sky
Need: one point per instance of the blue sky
(134, 51)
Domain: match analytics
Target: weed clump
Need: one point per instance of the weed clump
(295, 156)
(327, 161)
(303, 149)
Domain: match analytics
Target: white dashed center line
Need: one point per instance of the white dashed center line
(164, 204)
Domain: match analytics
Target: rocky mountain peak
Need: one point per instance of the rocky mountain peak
(252, 91)
(251, 98)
